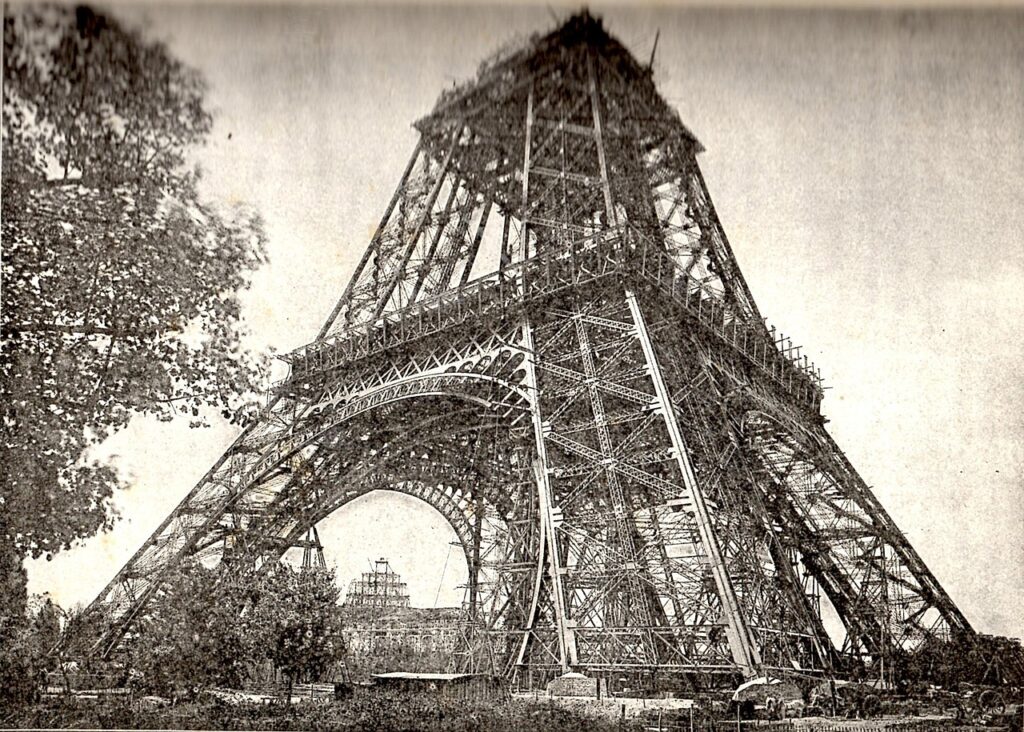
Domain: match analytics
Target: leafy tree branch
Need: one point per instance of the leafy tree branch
(121, 281)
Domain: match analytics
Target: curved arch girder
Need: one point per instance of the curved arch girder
(254, 464)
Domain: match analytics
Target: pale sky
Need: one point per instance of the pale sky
(868, 168)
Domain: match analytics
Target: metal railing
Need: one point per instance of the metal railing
(506, 292)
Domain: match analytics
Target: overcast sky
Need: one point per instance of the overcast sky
(868, 168)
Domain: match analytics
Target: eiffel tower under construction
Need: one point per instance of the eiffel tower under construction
(549, 340)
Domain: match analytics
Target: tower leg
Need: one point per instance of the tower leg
(548, 565)
(744, 651)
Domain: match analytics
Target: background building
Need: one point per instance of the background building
(380, 588)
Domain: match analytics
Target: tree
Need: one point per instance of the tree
(196, 635)
(963, 658)
(44, 629)
(25, 643)
(299, 616)
(213, 627)
(120, 283)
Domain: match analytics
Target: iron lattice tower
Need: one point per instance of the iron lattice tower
(549, 340)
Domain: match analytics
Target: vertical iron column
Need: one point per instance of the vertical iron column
(744, 651)
(595, 106)
(474, 569)
(524, 232)
(547, 545)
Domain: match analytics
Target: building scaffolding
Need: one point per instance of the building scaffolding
(381, 588)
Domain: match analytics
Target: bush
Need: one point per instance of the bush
(365, 710)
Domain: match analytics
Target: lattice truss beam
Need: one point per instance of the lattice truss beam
(549, 340)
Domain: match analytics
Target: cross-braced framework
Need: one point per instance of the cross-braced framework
(549, 340)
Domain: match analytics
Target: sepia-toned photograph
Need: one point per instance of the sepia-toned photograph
(538, 366)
